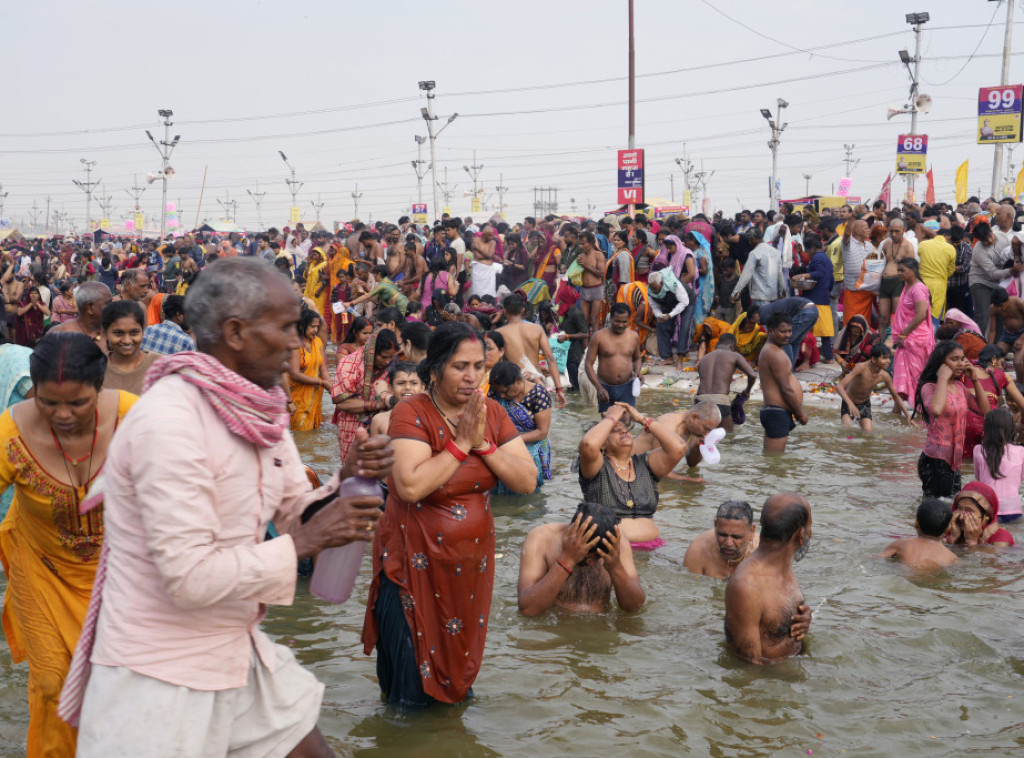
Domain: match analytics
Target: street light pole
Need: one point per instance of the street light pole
(777, 128)
(997, 159)
(501, 189)
(86, 187)
(356, 194)
(807, 185)
(293, 184)
(916, 20)
(474, 172)
(257, 197)
(417, 166)
(164, 148)
(430, 118)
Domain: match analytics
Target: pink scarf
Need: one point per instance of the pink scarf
(255, 414)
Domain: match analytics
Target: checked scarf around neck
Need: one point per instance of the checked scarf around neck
(253, 413)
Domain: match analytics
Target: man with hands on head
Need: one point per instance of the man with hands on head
(576, 565)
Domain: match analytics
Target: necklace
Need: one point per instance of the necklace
(625, 495)
(444, 415)
(65, 458)
(76, 461)
(134, 365)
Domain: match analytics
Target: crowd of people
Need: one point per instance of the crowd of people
(139, 375)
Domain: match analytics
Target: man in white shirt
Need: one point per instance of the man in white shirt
(455, 241)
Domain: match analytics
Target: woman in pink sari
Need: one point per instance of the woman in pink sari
(913, 339)
(359, 391)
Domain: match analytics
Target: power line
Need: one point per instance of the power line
(971, 56)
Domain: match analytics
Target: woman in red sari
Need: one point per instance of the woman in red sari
(433, 557)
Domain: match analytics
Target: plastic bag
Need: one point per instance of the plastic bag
(870, 279)
(575, 273)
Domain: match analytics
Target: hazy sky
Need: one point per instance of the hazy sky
(540, 88)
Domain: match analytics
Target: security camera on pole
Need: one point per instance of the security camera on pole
(165, 148)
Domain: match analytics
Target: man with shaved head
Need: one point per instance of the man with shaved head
(856, 248)
(894, 248)
(763, 596)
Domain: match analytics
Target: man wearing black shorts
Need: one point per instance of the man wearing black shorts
(783, 395)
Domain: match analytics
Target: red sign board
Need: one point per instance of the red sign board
(631, 177)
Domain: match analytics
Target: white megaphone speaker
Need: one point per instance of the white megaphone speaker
(168, 172)
(151, 177)
(922, 103)
(893, 111)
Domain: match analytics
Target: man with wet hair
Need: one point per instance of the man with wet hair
(783, 394)
(525, 342)
(576, 565)
(617, 348)
(762, 596)
(926, 550)
(718, 551)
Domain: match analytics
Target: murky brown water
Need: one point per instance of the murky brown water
(896, 665)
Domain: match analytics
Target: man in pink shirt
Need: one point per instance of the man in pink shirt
(179, 663)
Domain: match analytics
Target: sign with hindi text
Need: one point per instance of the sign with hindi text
(911, 153)
(631, 177)
(294, 216)
(999, 110)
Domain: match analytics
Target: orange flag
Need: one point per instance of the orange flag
(929, 195)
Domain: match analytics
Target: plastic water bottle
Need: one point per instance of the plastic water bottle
(336, 569)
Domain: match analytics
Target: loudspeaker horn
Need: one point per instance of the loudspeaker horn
(923, 103)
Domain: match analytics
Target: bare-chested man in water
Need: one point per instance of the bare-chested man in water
(718, 551)
(1011, 311)
(525, 341)
(783, 395)
(691, 426)
(855, 388)
(762, 595)
(618, 349)
(575, 566)
(716, 370)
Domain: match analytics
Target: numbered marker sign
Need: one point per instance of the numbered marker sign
(911, 153)
(631, 177)
(999, 110)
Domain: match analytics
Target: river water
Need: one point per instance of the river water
(895, 664)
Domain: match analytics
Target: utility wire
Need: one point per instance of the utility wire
(971, 56)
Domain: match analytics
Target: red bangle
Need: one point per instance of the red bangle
(647, 424)
(456, 452)
(567, 570)
(491, 449)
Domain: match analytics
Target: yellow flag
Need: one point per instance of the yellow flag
(961, 183)
(1018, 188)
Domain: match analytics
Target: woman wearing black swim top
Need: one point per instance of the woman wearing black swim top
(611, 474)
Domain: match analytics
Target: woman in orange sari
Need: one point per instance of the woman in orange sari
(54, 445)
(308, 374)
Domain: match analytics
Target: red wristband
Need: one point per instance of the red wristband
(456, 452)
(491, 449)
(567, 570)
(647, 424)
